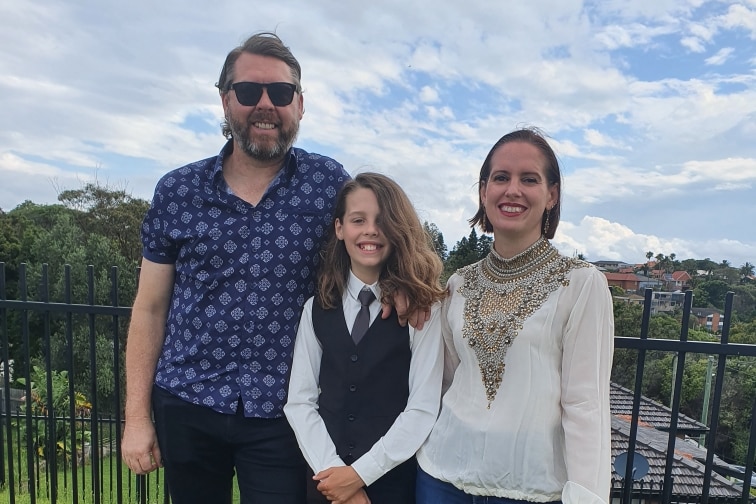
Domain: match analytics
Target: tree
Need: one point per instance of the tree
(746, 270)
(649, 255)
(437, 239)
(672, 263)
(46, 238)
(714, 291)
(112, 213)
(708, 266)
(468, 250)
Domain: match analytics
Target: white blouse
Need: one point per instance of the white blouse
(546, 435)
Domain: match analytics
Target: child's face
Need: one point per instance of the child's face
(365, 243)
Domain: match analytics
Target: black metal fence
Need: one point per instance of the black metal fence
(61, 438)
(61, 434)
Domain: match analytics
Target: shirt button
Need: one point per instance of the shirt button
(350, 418)
(353, 357)
(352, 388)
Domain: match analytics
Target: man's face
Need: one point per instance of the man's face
(264, 132)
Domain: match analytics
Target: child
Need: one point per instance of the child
(361, 406)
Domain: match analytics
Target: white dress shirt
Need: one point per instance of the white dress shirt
(546, 435)
(410, 428)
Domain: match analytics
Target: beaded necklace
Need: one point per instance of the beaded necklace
(500, 294)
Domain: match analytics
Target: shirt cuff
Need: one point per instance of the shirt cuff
(574, 493)
(367, 469)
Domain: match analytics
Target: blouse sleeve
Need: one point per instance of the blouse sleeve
(586, 372)
(451, 357)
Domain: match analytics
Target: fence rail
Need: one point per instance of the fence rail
(61, 443)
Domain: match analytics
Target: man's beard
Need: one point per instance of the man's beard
(258, 150)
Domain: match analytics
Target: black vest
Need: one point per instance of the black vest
(363, 388)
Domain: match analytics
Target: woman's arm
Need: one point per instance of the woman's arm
(586, 374)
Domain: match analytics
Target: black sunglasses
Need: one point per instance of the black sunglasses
(249, 93)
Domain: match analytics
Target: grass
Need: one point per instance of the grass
(84, 490)
(155, 490)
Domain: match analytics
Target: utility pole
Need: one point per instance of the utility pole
(707, 394)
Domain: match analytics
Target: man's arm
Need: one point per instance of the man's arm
(416, 319)
(139, 447)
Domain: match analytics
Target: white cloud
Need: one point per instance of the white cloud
(429, 95)
(598, 239)
(720, 57)
(418, 90)
(740, 16)
(694, 44)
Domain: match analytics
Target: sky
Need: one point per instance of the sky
(650, 105)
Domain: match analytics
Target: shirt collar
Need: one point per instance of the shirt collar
(355, 285)
(289, 164)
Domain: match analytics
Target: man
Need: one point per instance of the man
(230, 251)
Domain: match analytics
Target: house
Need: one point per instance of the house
(680, 280)
(663, 301)
(651, 413)
(645, 282)
(611, 265)
(710, 318)
(626, 281)
(688, 467)
(652, 441)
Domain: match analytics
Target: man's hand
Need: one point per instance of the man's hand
(339, 484)
(417, 318)
(139, 447)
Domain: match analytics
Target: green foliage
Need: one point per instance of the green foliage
(616, 290)
(739, 387)
(468, 250)
(94, 231)
(111, 213)
(437, 239)
(50, 400)
(714, 292)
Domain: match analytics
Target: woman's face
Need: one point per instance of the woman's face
(517, 193)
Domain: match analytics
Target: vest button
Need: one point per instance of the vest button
(351, 446)
(352, 388)
(350, 418)
(353, 357)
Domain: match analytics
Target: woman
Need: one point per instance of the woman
(528, 335)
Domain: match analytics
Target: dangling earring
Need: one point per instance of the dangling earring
(546, 224)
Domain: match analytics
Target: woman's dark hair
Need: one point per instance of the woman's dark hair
(553, 174)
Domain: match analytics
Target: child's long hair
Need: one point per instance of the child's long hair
(413, 265)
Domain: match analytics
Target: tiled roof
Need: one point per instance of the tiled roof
(687, 467)
(681, 276)
(651, 413)
(621, 276)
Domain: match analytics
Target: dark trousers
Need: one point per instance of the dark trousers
(201, 448)
(395, 487)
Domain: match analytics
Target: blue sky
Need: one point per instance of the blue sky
(650, 104)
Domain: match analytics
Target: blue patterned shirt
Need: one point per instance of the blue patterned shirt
(243, 273)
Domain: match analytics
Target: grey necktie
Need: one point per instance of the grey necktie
(362, 321)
